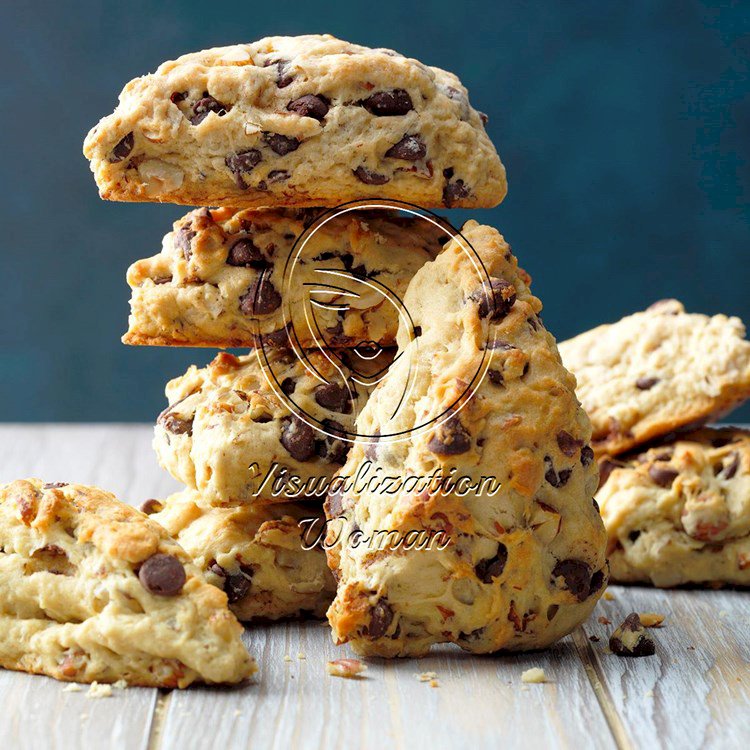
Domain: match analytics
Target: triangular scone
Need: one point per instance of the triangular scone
(91, 589)
(295, 121)
(222, 278)
(679, 513)
(656, 372)
(523, 566)
(265, 557)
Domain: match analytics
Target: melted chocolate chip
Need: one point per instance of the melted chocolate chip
(310, 105)
(496, 377)
(122, 149)
(388, 103)
(243, 163)
(587, 455)
(162, 575)
(450, 438)
(298, 438)
(577, 577)
(281, 144)
(495, 302)
(288, 385)
(335, 397)
(492, 567)
(369, 177)
(152, 505)
(646, 384)
(206, 105)
(556, 478)
(176, 425)
(454, 192)
(245, 253)
(567, 443)
(283, 78)
(184, 239)
(261, 298)
(409, 148)
(237, 585)
(662, 475)
(381, 616)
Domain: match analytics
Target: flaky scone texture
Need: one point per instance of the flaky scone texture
(226, 277)
(295, 121)
(658, 371)
(229, 431)
(266, 558)
(524, 563)
(680, 512)
(91, 589)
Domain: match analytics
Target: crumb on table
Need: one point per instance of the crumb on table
(534, 675)
(348, 668)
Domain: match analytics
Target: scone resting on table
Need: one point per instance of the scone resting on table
(523, 566)
(679, 513)
(295, 121)
(658, 371)
(91, 589)
(264, 557)
(228, 433)
(220, 278)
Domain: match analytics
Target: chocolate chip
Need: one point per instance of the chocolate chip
(500, 345)
(204, 106)
(237, 585)
(184, 240)
(606, 467)
(496, 301)
(152, 505)
(662, 475)
(381, 617)
(587, 455)
(556, 478)
(371, 451)
(731, 468)
(261, 298)
(388, 103)
(370, 178)
(245, 253)
(298, 438)
(281, 144)
(409, 148)
(335, 397)
(162, 575)
(278, 175)
(417, 331)
(577, 577)
(633, 536)
(333, 449)
(631, 638)
(178, 96)
(552, 611)
(310, 105)
(243, 163)
(646, 384)
(496, 377)
(54, 485)
(450, 438)
(453, 192)
(492, 567)
(567, 443)
(122, 149)
(288, 385)
(176, 425)
(597, 581)
(283, 78)
(334, 503)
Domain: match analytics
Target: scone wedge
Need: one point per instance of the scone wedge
(679, 513)
(267, 559)
(224, 278)
(91, 589)
(483, 396)
(656, 372)
(295, 121)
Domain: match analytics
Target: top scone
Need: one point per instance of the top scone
(295, 121)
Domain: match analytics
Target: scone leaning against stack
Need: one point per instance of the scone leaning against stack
(524, 564)
(221, 278)
(91, 589)
(265, 557)
(679, 513)
(656, 372)
(295, 121)
(229, 433)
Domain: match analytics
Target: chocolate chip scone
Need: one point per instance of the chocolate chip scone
(523, 563)
(656, 372)
(230, 433)
(222, 278)
(91, 589)
(680, 512)
(265, 558)
(295, 121)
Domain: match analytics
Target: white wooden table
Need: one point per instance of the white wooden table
(694, 693)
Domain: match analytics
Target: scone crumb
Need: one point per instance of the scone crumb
(649, 694)
(99, 691)
(534, 675)
(287, 657)
(594, 638)
(73, 687)
(349, 668)
(608, 597)
(120, 685)
(603, 620)
(300, 655)
(651, 619)
(426, 676)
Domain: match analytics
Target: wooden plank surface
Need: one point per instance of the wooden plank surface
(681, 698)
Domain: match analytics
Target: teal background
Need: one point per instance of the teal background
(624, 127)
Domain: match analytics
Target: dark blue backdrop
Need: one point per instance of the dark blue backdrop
(623, 126)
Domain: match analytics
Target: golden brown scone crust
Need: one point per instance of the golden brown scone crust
(679, 513)
(74, 603)
(295, 121)
(525, 565)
